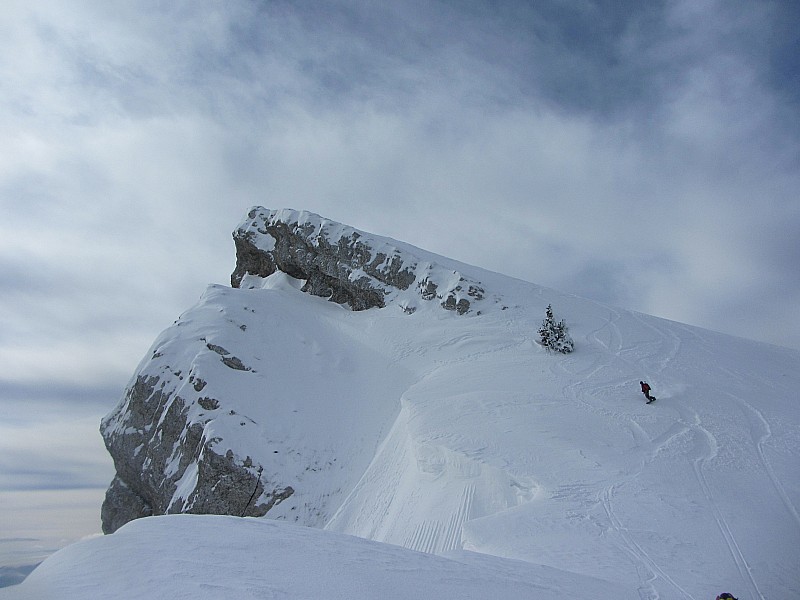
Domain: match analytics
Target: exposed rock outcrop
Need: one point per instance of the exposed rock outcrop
(167, 464)
(341, 263)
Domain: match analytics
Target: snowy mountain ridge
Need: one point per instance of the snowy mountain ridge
(446, 432)
(173, 446)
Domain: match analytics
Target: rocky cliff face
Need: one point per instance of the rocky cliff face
(167, 463)
(178, 441)
(340, 263)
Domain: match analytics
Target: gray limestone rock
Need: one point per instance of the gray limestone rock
(153, 445)
(337, 262)
(121, 505)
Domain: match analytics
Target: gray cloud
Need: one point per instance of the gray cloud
(643, 154)
(49, 439)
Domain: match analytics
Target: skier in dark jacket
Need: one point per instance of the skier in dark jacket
(646, 391)
(725, 596)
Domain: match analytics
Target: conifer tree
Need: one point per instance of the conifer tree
(554, 335)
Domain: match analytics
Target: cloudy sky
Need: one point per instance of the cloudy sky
(645, 154)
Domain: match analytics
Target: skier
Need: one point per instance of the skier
(725, 596)
(646, 392)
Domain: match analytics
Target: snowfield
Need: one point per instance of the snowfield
(203, 557)
(472, 462)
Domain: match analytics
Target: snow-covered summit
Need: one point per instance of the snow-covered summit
(178, 438)
(456, 434)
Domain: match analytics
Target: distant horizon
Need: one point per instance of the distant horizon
(38, 523)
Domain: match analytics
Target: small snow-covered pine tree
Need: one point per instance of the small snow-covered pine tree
(555, 335)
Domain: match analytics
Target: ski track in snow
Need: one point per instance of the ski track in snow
(614, 344)
(761, 432)
(655, 356)
(669, 344)
(648, 569)
(760, 424)
(433, 537)
(667, 348)
(706, 449)
(632, 358)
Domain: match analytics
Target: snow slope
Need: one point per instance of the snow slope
(213, 557)
(536, 475)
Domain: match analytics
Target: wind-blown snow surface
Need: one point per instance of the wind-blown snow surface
(459, 435)
(213, 557)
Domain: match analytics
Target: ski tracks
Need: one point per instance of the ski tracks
(761, 432)
(434, 537)
(614, 343)
(669, 345)
(575, 378)
(667, 348)
(654, 353)
(647, 568)
(647, 353)
(706, 449)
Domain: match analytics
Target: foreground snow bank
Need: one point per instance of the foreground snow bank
(205, 557)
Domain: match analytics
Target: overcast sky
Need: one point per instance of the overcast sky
(644, 154)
